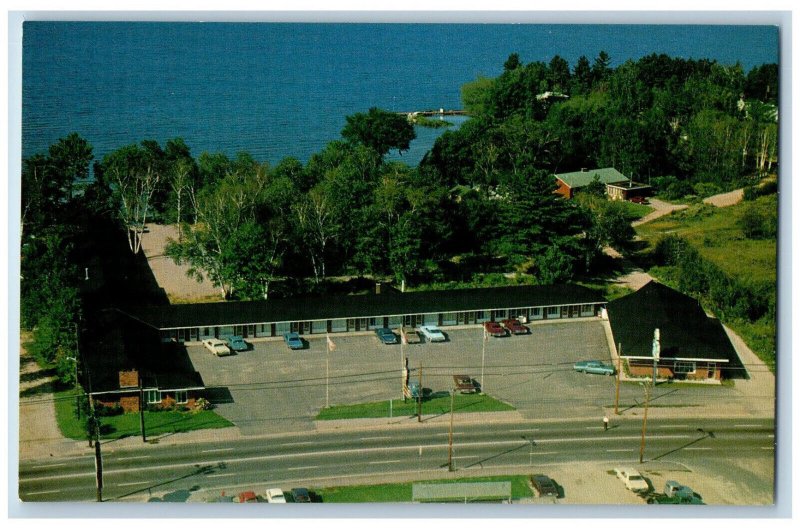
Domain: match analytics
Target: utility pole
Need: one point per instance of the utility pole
(483, 354)
(98, 464)
(619, 368)
(450, 442)
(644, 420)
(141, 408)
(419, 396)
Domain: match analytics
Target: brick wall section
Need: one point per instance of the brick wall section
(563, 189)
(130, 404)
(129, 379)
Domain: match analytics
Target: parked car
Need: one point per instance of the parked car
(216, 346)
(594, 367)
(431, 333)
(275, 496)
(301, 495)
(515, 327)
(246, 497)
(676, 494)
(466, 384)
(293, 340)
(386, 336)
(543, 485)
(493, 328)
(632, 479)
(236, 343)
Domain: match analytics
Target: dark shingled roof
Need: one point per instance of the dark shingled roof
(686, 331)
(117, 343)
(361, 306)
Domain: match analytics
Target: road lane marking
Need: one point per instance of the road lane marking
(218, 450)
(767, 448)
(386, 462)
(696, 448)
(526, 430)
(132, 483)
(745, 425)
(670, 426)
(130, 457)
(42, 492)
(620, 450)
(379, 438)
(299, 443)
(50, 465)
(543, 453)
(229, 474)
(302, 468)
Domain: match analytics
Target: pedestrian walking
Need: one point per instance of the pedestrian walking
(605, 423)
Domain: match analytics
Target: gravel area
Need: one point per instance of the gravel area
(725, 199)
(170, 276)
(661, 208)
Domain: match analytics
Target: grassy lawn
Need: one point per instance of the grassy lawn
(127, 424)
(635, 211)
(717, 236)
(437, 404)
(401, 492)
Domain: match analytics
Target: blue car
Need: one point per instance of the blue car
(293, 340)
(595, 367)
(235, 343)
(386, 335)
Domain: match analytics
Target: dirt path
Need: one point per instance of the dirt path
(39, 435)
(661, 208)
(170, 276)
(724, 200)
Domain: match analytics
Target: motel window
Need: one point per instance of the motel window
(152, 396)
(685, 367)
(536, 311)
(181, 397)
(552, 311)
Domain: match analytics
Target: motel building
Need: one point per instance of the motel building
(355, 313)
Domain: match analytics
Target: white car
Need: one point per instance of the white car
(275, 496)
(218, 347)
(632, 479)
(431, 333)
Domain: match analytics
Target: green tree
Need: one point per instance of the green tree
(512, 63)
(69, 159)
(379, 130)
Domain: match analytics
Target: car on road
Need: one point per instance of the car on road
(216, 346)
(632, 479)
(386, 336)
(235, 343)
(515, 327)
(493, 328)
(431, 333)
(594, 367)
(301, 495)
(275, 496)
(293, 340)
(544, 486)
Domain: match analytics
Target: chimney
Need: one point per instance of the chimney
(129, 379)
(377, 288)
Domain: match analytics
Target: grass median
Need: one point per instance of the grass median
(401, 492)
(436, 404)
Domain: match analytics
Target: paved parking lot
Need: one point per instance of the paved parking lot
(274, 389)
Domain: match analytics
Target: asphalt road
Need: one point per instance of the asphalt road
(408, 452)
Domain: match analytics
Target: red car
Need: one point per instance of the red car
(515, 327)
(493, 328)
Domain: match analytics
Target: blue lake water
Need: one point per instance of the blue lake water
(278, 90)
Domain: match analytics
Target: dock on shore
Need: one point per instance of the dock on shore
(440, 112)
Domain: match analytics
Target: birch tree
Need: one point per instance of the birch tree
(134, 174)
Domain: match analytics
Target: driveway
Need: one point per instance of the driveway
(660, 208)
